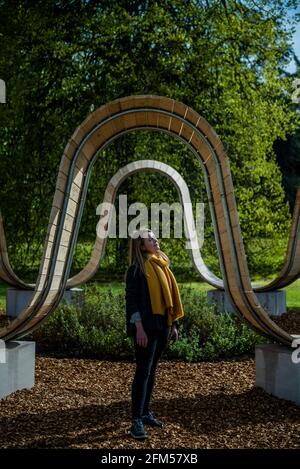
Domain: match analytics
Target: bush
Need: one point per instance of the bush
(207, 334)
(98, 329)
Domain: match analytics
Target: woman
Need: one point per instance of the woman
(153, 307)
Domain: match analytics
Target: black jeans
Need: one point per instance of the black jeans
(146, 364)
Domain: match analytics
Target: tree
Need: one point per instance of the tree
(288, 150)
(62, 59)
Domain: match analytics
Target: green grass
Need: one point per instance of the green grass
(293, 295)
(2, 295)
(292, 292)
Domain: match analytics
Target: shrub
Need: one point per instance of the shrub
(62, 330)
(98, 329)
(207, 334)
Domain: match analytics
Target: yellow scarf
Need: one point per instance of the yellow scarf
(163, 289)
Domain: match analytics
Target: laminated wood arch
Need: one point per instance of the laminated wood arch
(109, 197)
(289, 273)
(93, 135)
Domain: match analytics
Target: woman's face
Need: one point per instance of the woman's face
(150, 243)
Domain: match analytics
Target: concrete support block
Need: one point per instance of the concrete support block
(273, 302)
(17, 300)
(276, 371)
(17, 366)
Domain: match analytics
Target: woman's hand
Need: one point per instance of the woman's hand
(174, 332)
(141, 337)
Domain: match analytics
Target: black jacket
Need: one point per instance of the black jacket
(138, 299)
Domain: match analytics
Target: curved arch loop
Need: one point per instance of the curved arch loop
(6, 271)
(109, 198)
(289, 273)
(93, 135)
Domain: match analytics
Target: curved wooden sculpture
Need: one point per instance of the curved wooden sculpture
(110, 194)
(93, 135)
(7, 274)
(291, 267)
(288, 274)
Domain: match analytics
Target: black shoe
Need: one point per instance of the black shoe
(137, 429)
(150, 420)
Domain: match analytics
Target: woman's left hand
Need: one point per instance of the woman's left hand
(174, 332)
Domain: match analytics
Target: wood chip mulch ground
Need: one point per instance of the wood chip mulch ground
(290, 321)
(84, 403)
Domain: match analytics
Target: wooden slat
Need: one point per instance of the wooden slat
(238, 277)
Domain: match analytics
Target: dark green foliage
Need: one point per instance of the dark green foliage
(288, 151)
(98, 329)
(207, 334)
(62, 59)
(288, 157)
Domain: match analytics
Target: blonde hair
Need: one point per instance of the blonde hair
(138, 256)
